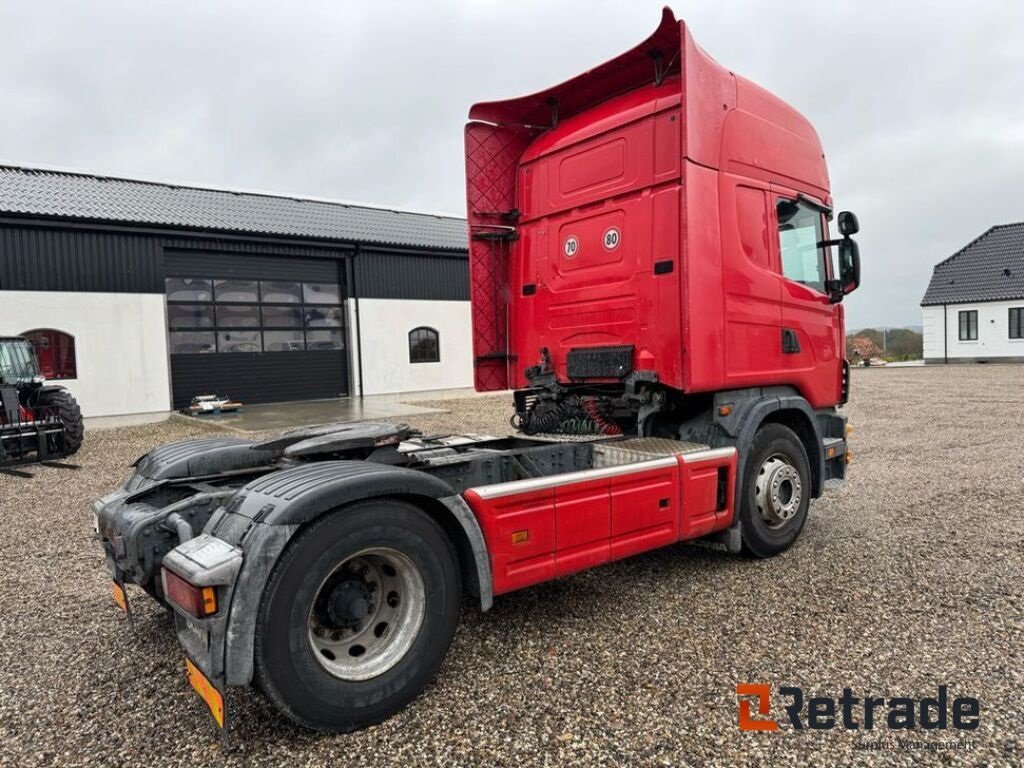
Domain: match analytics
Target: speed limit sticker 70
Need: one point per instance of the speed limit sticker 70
(571, 246)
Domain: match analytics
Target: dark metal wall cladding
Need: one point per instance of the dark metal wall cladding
(272, 377)
(215, 263)
(250, 246)
(383, 275)
(36, 259)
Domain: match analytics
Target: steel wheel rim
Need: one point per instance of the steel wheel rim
(778, 491)
(366, 614)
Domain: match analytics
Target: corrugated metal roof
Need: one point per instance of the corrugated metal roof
(989, 268)
(40, 192)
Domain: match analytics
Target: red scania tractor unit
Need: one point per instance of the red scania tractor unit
(652, 274)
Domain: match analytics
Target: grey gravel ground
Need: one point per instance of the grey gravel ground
(907, 578)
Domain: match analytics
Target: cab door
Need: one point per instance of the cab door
(751, 291)
(808, 339)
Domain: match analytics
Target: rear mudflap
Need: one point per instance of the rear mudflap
(206, 561)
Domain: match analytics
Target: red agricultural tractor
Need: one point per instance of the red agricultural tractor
(38, 421)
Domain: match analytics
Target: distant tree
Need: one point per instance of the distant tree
(897, 344)
(904, 344)
(873, 334)
(861, 347)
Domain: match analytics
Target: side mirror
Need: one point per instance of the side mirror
(849, 264)
(848, 224)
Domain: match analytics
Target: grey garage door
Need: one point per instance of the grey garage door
(257, 329)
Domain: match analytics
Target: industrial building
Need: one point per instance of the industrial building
(973, 310)
(140, 295)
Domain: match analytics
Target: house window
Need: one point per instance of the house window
(969, 325)
(1017, 322)
(424, 346)
(56, 353)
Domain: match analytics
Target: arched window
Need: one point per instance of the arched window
(424, 345)
(56, 352)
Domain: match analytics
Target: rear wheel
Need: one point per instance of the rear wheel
(776, 491)
(70, 416)
(357, 616)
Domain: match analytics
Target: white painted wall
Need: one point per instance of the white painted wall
(931, 319)
(120, 345)
(993, 342)
(352, 342)
(385, 325)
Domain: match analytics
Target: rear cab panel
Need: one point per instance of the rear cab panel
(598, 208)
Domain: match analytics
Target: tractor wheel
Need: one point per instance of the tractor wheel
(70, 416)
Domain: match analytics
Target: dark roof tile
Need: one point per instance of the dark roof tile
(989, 268)
(38, 192)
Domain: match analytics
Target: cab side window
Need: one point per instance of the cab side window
(800, 235)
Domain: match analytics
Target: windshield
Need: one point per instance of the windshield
(17, 361)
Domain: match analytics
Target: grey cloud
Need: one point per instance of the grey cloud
(918, 104)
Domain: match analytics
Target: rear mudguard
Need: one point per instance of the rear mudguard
(133, 521)
(262, 518)
(198, 458)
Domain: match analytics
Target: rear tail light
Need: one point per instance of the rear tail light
(198, 601)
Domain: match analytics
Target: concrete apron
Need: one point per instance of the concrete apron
(277, 416)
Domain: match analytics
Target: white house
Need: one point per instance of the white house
(973, 309)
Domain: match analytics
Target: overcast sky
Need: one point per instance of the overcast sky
(920, 106)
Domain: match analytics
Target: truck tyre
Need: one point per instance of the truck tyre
(70, 416)
(776, 491)
(357, 615)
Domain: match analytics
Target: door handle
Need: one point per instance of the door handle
(790, 342)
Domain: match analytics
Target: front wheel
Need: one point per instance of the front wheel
(61, 401)
(776, 491)
(357, 616)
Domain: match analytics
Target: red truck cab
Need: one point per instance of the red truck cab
(658, 223)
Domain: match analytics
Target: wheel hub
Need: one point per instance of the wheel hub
(349, 604)
(778, 491)
(366, 614)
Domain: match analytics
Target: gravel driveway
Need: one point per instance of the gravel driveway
(907, 578)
